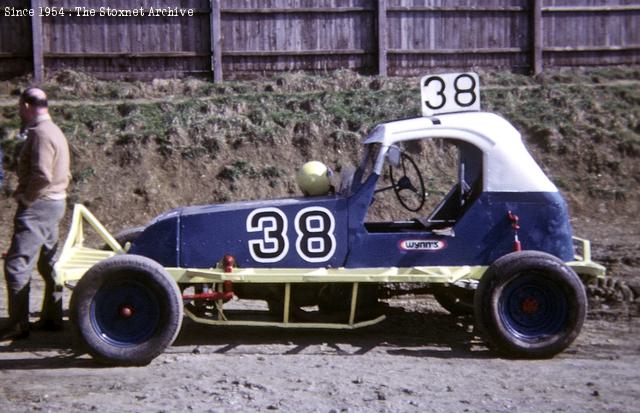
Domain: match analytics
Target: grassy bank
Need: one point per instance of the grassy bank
(146, 147)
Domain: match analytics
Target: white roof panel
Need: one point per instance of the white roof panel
(508, 166)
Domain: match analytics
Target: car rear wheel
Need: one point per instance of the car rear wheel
(126, 310)
(529, 304)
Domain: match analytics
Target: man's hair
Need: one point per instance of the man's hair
(33, 99)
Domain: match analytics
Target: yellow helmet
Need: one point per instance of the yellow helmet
(314, 178)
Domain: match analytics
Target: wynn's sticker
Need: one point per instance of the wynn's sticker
(422, 245)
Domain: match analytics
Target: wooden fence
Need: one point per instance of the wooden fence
(237, 38)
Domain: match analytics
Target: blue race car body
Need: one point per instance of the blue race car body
(332, 232)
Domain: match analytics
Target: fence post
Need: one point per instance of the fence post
(216, 42)
(537, 36)
(382, 37)
(36, 41)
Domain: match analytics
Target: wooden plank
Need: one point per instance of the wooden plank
(590, 9)
(296, 52)
(536, 37)
(382, 37)
(36, 39)
(462, 9)
(504, 50)
(216, 41)
(632, 47)
(133, 55)
(296, 10)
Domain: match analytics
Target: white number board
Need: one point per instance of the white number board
(448, 93)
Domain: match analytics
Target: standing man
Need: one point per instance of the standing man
(43, 178)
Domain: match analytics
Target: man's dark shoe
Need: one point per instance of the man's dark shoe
(47, 325)
(13, 332)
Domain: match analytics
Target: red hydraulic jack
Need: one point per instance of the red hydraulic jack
(227, 286)
(515, 224)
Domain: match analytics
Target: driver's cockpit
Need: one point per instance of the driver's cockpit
(464, 192)
(488, 157)
(407, 175)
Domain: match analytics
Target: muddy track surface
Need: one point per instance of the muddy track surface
(419, 359)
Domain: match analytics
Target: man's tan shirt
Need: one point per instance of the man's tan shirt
(43, 166)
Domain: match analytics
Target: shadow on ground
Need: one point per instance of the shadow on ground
(403, 333)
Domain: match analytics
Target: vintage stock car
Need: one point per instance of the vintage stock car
(498, 245)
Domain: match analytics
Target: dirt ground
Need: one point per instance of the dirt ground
(419, 359)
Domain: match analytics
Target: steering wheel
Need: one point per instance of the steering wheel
(410, 197)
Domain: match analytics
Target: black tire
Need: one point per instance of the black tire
(457, 301)
(529, 304)
(126, 310)
(124, 236)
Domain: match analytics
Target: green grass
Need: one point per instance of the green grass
(582, 125)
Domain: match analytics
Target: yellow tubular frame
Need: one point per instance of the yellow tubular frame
(75, 259)
(582, 263)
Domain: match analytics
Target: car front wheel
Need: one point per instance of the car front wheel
(126, 310)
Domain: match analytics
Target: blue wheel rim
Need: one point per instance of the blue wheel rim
(533, 307)
(125, 313)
